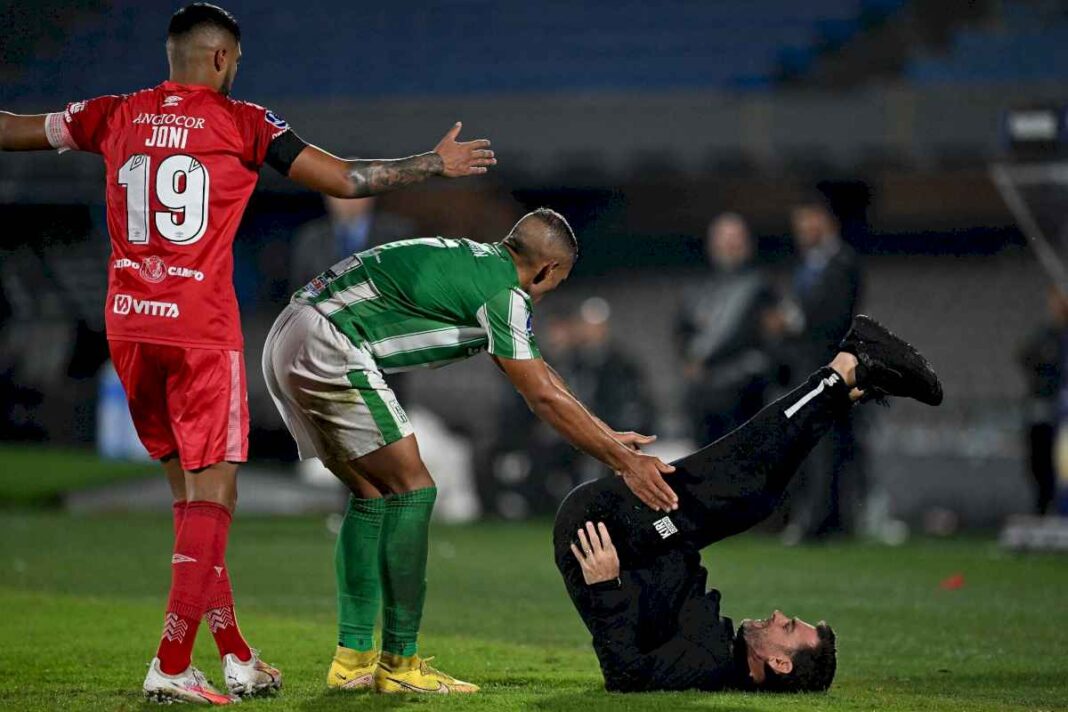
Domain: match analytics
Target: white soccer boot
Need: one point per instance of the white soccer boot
(189, 686)
(250, 678)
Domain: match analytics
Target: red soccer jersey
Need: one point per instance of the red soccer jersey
(181, 162)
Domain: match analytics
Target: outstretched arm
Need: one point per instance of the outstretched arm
(318, 170)
(629, 438)
(560, 409)
(23, 132)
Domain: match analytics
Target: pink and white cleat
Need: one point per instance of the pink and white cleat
(189, 686)
(250, 678)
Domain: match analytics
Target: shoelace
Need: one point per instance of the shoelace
(427, 669)
(200, 679)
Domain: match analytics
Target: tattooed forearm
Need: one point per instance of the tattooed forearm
(380, 176)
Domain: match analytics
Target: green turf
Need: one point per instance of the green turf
(81, 602)
(35, 476)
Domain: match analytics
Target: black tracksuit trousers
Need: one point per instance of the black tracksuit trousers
(724, 489)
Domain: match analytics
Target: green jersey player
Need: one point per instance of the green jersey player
(419, 303)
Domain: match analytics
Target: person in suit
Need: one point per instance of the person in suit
(826, 290)
(721, 334)
(350, 225)
(1043, 358)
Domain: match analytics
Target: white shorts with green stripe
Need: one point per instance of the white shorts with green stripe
(330, 393)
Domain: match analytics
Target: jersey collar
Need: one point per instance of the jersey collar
(505, 255)
(175, 86)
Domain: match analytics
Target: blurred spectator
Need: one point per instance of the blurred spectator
(602, 375)
(531, 465)
(721, 330)
(826, 286)
(826, 282)
(534, 468)
(1043, 361)
(350, 225)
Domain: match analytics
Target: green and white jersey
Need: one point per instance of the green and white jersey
(427, 302)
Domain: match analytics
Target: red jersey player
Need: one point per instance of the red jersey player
(182, 160)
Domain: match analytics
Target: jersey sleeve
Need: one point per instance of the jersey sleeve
(82, 126)
(259, 128)
(507, 319)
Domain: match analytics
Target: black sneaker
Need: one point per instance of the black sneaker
(888, 365)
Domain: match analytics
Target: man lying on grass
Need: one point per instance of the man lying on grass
(642, 593)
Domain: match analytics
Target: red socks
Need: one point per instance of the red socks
(201, 542)
(222, 620)
(219, 607)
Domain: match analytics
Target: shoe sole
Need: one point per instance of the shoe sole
(256, 690)
(409, 691)
(261, 689)
(400, 688)
(169, 697)
(364, 682)
(867, 329)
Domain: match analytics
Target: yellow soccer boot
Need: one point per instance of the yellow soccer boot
(396, 673)
(352, 670)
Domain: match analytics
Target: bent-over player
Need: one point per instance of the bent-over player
(182, 159)
(418, 303)
(635, 574)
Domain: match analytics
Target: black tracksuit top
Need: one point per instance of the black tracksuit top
(657, 628)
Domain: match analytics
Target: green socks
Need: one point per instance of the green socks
(382, 549)
(357, 567)
(402, 553)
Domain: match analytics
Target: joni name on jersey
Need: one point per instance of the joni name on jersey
(167, 137)
(168, 130)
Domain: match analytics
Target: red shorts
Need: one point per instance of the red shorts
(187, 401)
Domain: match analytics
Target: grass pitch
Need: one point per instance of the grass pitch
(34, 476)
(82, 602)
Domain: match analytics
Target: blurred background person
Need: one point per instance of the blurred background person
(722, 334)
(524, 445)
(350, 225)
(826, 292)
(1042, 359)
(827, 281)
(603, 375)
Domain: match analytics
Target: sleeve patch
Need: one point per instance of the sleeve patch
(508, 322)
(73, 109)
(275, 120)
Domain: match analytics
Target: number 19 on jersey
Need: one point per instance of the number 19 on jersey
(180, 183)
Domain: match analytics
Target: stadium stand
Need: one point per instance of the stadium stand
(1026, 42)
(382, 49)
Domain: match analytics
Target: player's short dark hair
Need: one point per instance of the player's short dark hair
(202, 14)
(560, 234)
(813, 668)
